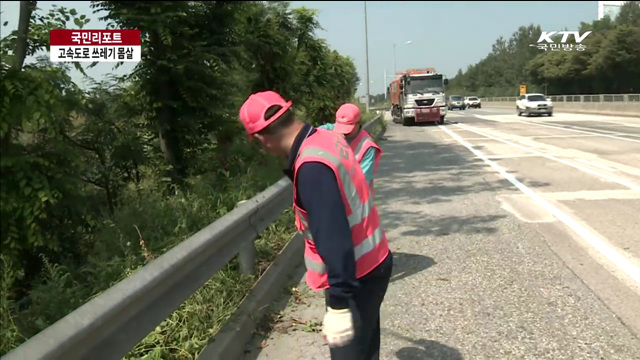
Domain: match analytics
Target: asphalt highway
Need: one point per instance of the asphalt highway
(514, 238)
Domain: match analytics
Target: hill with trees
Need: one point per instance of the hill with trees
(610, 64)
(97, 182)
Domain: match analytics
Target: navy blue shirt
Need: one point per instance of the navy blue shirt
(318, 193)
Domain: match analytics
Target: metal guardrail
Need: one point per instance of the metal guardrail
(113, 323)
(598, 98)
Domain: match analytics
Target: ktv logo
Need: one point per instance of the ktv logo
(546, 36)
(545, 42)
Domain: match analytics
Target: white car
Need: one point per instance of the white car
(530, 104)
(473, 102)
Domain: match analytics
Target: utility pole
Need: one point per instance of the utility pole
(366, 57)
(384, 83)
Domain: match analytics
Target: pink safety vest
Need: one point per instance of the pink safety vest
(361, 144)
(369, 239)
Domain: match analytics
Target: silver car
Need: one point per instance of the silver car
(456, 102)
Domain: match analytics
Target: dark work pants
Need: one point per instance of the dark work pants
(365, 307)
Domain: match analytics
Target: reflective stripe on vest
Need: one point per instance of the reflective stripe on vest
(364, 247)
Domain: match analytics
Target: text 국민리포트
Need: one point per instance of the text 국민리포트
(95, 45)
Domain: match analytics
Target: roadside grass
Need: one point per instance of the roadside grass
(145, 227)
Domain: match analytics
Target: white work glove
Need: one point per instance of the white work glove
(337, 327)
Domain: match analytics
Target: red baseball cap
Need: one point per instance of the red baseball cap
(347, 117)
(253, 111)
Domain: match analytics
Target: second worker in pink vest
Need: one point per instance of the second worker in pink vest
(346, 250)
(348, 123)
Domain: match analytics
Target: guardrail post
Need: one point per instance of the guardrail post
(247, 254)
(247, 258)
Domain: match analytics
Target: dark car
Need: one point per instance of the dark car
(456, 102)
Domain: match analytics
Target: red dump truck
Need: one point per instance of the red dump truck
(418, 96)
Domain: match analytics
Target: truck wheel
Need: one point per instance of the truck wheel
(518, 111)
(407, 121)
(441, 120)
(394, 115)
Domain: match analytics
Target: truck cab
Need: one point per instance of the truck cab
(418, 96)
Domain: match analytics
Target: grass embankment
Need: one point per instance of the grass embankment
(146, 227)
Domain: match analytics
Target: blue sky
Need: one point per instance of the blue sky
(447, 35)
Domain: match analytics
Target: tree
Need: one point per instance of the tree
(629, 14)
(37, 100)
(609, 64)
(87, 168)
(187, 48)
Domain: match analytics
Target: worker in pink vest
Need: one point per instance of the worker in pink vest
(368, 153)
(346, 250)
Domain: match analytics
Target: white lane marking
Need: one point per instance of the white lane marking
(551, 157)
(604, 131)
(598, 244)
(559, 136)
(498, 118)
(580, 131)
(594, 164)
(508, 156)
(475, 139)
(592, 195)
(469, 139)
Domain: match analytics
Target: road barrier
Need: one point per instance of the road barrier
(601, 104)
(113, 323)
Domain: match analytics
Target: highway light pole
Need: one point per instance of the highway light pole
(394, 55)
(384, 84)
(366, 56)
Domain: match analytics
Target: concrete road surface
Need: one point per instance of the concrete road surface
(513, 238)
